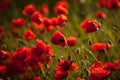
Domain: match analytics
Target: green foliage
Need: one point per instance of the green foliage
(109, 31)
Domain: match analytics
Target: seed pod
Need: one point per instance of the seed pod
(17, 45)
(20, 41)
(103, 50)
(78, 35)
(86, 72)
(59, 59)
(101, 23)
(65, 24)
(69, 57)
(110, 42)
(86, 57)
(82, 1)
(53, 55)
(90, 42)
(81, 75)
(77, 51)
(115, 28)
(4, 47)
(119, 40)
(82, 62)
(87, 63)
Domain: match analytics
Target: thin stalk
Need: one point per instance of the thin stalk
(91, 54)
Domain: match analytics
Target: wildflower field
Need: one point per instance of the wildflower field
(59, 39)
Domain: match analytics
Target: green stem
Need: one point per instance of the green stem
(90, 52)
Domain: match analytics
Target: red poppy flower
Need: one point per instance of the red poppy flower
(36, 78)
(113, 4)
(44, 9)
(100, 15)
(65, 65)
(59, 75)
(46, 58)
(49, 50)
(102, 3)
(47, 22)
(42, 52)
(37, 28)
(90, 25)
(1, 32)
(14, 68)
(2, 70)
(37, 17)
(29, 35)
(109, 66)
(100, 46)
(4, 5)
(62, 19)
(112, 66)
(79, 78)
(74, 66)
(75, 1)
(29, 10)
(62, 69)
(33, 63)
(1, 29)
(4, 56)
(71, 41)
(59, 9)
(97, 72)
(39, 49)
(54, 21)
(18, 22)
(63, 4)
(58, 39)
(117, 64)
(22, 54)
(50, 28)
